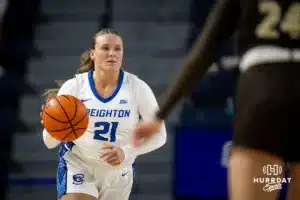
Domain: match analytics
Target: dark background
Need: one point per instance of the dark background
(41, 41)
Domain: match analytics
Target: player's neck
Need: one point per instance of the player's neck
(104, 79)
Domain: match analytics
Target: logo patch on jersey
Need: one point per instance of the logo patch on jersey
(78, 179)
(84, 100)
(123, 101)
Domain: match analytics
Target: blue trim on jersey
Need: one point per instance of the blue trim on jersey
(97, 95)
(62, 169)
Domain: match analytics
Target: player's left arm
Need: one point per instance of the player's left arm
(147, 106)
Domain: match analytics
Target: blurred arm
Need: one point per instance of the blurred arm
(147, 106)
(221, 23)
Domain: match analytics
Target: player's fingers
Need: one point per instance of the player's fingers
(115, 163)
(111, 160)
(113, 154)
(104, 151)
(105, 155)
(41, 111)
(108, 146)
(105, 158)
(42, 122)
(115, 150)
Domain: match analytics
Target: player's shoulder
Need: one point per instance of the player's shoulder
(76, 81)
(82, 77)
(132, 79)
(129, 77)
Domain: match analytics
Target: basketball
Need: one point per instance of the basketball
(65, 118)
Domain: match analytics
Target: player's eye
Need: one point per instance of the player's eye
(106, 48)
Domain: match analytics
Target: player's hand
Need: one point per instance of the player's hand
(42, 108)
(113, 155)
(144, 131)
(41, 113)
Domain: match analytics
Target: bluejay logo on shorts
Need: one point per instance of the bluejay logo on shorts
(78, 179)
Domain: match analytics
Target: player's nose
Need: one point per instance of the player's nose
(112, 53)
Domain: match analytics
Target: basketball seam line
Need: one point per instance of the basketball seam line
(54, 118)
(63, 122)
(75, 105)
(71, 132)
(69, 126)
(67, 117)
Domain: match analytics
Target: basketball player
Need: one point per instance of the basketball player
(267, 110)
(98, 165)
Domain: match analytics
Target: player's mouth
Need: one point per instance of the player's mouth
(111, 62)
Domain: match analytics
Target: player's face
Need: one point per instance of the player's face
(108, 52)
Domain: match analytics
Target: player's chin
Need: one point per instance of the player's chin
(113, 67)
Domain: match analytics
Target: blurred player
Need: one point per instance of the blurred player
(267, 108)
(98, 165)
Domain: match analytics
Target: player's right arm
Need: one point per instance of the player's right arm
(68, 88)
(219, 25)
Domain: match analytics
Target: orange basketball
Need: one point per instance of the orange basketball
(65, 118)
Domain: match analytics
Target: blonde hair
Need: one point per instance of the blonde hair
(86, 63)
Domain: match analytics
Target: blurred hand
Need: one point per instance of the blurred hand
(144, 131)
(41, 113)
(49, 97)
(112, 155)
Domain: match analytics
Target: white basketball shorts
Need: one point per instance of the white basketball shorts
(79, 175)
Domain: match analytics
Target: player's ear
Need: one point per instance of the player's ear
(92, 54)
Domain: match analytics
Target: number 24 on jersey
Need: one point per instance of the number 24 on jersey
(288, 22)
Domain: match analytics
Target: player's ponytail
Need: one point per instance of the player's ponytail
(52, 92)
(86, 63)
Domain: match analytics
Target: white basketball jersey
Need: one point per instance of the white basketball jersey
(111, 119)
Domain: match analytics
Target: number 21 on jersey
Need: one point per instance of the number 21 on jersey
(106, 131)
(275, 21)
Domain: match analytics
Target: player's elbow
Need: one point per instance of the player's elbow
(49, 142)
(49, 145)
